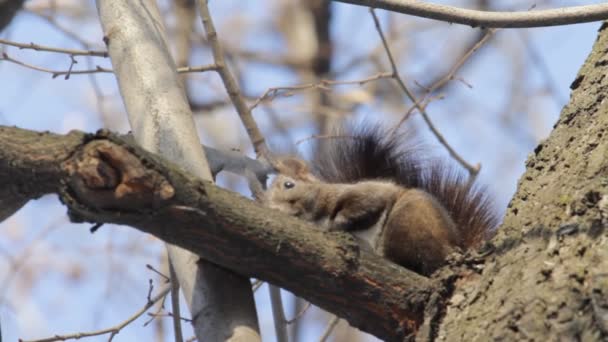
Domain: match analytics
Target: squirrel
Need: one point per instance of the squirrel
(386, 191)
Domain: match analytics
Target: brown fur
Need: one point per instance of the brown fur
(419, 232)
(411, 210)
(370, 151)
(403, 217)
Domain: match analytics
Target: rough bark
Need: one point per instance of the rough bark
(103, 178)
(547, 279)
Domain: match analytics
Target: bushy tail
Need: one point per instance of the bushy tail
(368, 151)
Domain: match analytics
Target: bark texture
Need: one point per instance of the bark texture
(221, 303)
(547, 278)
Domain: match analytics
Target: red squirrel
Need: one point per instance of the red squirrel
(398, 202)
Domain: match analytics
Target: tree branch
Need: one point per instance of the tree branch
(113, 331)
(104, 178)
(474, 18)
(234, 92)
(162, 122)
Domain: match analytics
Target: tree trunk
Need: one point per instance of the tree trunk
(547, 279)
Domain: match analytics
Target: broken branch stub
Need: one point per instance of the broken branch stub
(107, 174)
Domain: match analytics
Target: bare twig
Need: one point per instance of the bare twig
(177, 324)
(474, 18)
(256, 137)
(200, 68)
(73, 52)
(151, 268)
(54, 73)
(98, 69)
(423, 103)
(299, 314)
(330, 328)
(256, 285)
(157, 313)
(274, 92)
(112, 330)
(450, 75)
(473, 170)
(280, 326)
(168, 314)
(150, 289)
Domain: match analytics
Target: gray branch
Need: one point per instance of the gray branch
(474, 18)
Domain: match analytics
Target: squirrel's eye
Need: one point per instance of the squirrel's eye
(288, 184)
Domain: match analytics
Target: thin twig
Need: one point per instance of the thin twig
(448, 77)
(112, 330)
(255, 135)
(72, 52)
(98, 69)
(473, 170)
(153, 316)
(280, 325)
(330, 328)
(150, 289)
(475, 18)
(54, 73)
(151, 268)
(168, 314)
(177, 324)
(299, 314)
(256, 285)
(274, 92)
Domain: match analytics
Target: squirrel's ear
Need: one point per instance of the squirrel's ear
(296, 168)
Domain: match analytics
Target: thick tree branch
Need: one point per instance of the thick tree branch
(102, 178)
(474, 18)
(18, 167)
